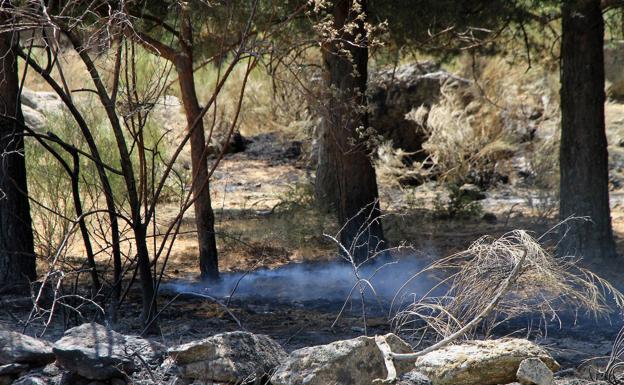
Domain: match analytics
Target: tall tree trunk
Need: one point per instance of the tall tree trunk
(204, 216)
(583, 154)
(345, 175)
(17, 257)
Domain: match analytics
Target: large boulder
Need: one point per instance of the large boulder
(96, 352)
(355, 362)
(393, 93)
(20, 348)
(232, 357)
(481, 362)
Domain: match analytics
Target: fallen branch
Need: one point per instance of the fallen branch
(390, 357)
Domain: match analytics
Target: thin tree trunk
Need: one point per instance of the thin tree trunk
(346, 178)
(17, 257)
(583, 155)
(149, 306)
(204, 215)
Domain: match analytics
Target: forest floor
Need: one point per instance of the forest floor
(262, 200)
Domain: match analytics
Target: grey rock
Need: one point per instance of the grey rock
(533, 371)
(228, 357)
(413, 378)
(393, 93)
(99, 353)
(356, 361)
(48, 375)
(487, 362)
(41, 101)
(20, 348)
(33, 118)
(613, 60)
(12, 369)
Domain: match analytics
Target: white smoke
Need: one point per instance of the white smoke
(316, 282)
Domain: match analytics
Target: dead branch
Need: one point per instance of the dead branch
(389, 356)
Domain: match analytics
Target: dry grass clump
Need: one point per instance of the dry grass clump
(544, 285)
(475, 132)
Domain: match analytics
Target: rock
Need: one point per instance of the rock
(393, 93)
(228, 357)
(613, 60)
(48, 375)
(33, 118)
(12, 369)
(413, 378)
(533, 371)
(42, 101)
(20, 348)
(98, 353)
(6, 380)
(481, 362)
(355, 362)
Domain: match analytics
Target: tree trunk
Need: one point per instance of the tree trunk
(345, 175)
(17, 257)
(204, 216)
(583, 153)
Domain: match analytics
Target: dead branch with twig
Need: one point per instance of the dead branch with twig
(493, 281)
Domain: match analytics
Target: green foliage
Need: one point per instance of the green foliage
(461, 204)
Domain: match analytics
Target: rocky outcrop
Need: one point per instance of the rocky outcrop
(99, 353)
(356, 362)
(488, 362)
(393, 93)
(234, 357)
(20, 348)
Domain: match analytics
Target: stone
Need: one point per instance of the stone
(413, 378)
(487, 362)
(6, 379)
(533, 371)
(96, 352)
(42, 101)
(20, 348)
(356, 361)
(48, 375)
(12, 369)
(394, 93)
(613, 60)
(33, 118)
(228, 357)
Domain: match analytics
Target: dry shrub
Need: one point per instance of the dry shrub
(545, 285)
(474, 133)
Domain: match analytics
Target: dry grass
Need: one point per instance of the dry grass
(545, 285)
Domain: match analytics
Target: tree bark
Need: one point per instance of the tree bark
(204, 215)
(17, 257)
(583, 152)
(346, 178)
